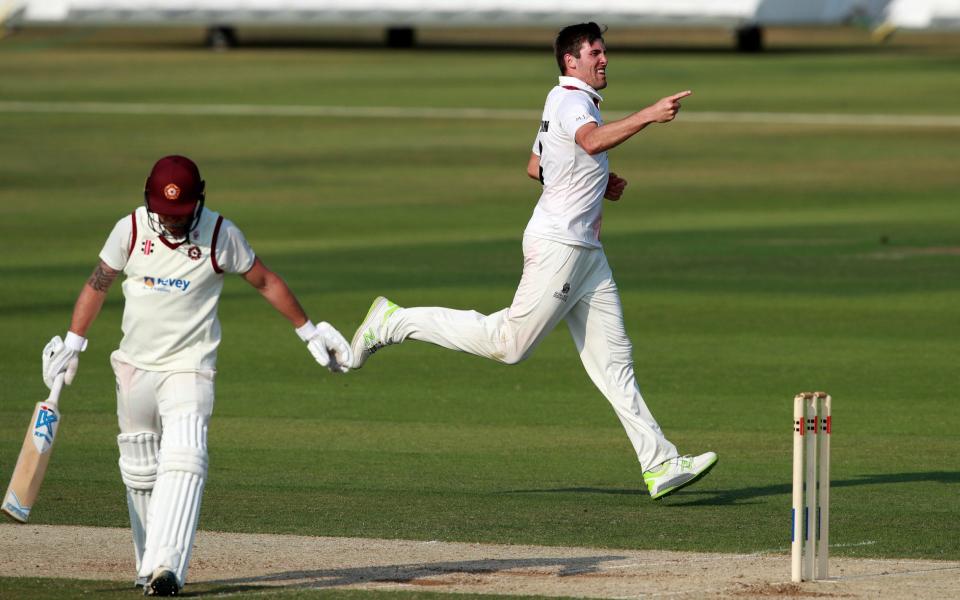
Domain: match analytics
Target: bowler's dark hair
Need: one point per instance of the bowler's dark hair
(572, 37)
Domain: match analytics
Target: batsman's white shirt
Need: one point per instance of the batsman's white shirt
(172, 290)
(570, 208)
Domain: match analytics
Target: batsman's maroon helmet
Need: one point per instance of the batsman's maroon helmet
(174, 187)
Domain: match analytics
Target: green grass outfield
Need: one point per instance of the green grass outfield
(754, 261)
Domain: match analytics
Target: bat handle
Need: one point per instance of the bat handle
(56, 389)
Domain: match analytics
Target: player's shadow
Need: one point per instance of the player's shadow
(695, 496)
(413, 573)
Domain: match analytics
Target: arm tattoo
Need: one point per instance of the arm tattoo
(102, 277)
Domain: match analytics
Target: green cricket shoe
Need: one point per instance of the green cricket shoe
(368, 338)
(677, 473)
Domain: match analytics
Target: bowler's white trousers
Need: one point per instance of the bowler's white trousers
(559, 281)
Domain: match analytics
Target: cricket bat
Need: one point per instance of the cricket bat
(34, 456)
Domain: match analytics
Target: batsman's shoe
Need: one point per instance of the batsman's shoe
(369, 336)
(141, 582)
(678, 472)
(163, 582)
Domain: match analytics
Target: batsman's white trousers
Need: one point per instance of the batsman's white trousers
(559, 281)
(176, 406)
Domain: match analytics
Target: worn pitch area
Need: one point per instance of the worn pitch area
(253, 560)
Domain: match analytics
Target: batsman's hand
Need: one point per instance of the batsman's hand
(62, 356)
(327, 345)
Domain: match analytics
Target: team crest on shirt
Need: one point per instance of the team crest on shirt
(194, 253)
(146, 246)
(563, 293)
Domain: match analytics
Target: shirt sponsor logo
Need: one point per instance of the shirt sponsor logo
(166, 285)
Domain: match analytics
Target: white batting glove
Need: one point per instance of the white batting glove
(62, 356)
(327, 346)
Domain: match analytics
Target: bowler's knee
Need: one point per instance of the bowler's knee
(514, 355)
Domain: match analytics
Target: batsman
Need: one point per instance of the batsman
(174, 253)
(565, 271)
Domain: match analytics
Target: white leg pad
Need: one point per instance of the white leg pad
(138, 469)
(175, 507)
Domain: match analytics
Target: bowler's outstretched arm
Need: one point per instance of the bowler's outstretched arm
(595, 139)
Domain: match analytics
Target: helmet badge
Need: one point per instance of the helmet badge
(171, 191)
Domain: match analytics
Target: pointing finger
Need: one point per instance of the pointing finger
(680, 95)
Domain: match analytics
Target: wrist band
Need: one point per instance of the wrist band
(306, 331)
(75, 342)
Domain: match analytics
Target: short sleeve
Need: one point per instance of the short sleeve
(116, 250)
(575, 111)
(234, 254)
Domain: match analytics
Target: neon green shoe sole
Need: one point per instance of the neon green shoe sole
(678, 473)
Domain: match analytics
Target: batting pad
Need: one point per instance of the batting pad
(138, 469)
(175, 507)
(138, 459)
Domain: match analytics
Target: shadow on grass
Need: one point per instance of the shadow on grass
(745, 495)
(402, 573)
(191, 590)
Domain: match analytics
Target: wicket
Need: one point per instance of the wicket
(811, 487)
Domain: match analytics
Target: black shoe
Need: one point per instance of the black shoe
(163, 583)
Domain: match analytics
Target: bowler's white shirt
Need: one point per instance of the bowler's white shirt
(172, 290)
(571, 206)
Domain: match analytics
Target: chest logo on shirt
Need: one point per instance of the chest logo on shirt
(166, 285)
(563, 293)
(146, 247)
(544, 126)
(194, 253)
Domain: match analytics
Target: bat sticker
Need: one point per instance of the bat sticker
(45, 429)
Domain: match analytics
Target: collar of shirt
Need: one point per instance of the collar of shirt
(566, 81)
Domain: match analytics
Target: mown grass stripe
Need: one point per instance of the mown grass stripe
(426, 112)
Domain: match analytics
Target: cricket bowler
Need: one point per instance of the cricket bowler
(174, 253)
(565, 271)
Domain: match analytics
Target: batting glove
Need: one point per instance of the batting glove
(62, 356)
(327, 346)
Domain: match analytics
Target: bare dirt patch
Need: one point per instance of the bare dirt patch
(245, 561)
